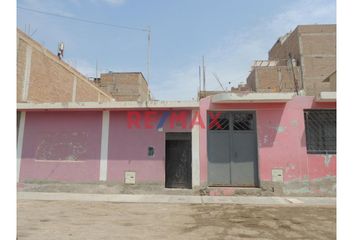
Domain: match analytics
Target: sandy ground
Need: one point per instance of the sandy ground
(43, 220)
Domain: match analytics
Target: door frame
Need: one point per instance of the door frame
(183, 136)
(258, 180)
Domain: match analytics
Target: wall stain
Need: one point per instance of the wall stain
(62, 146)
(279, 129)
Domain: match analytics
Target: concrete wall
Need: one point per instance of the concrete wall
(281, 145)
(42, 77)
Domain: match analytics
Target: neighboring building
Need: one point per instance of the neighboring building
(270, 76)
(124, 86)
(313, 58)
(43, 77)
(241, 88)
(332, 80)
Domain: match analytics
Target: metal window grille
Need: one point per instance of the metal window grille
(220, 123)
(243, 121)
(320, 131)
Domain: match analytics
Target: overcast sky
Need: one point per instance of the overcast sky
(230, 34)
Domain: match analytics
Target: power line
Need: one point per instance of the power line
(148, 30)
(84, 20)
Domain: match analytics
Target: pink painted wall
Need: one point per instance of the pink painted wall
(128, 148)
(63, 146)
(281, 139)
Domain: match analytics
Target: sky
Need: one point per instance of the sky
(230, 34)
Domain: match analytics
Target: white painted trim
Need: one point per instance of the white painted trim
(21, 129)
(251, 97)
(104, 146)
(73, 99)
(27, 73)
(195, 154)
(326, 97)
(110, 105)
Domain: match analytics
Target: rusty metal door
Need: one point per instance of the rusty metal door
(178, 166)
(232, 149)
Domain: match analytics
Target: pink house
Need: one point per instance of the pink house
(276, 142)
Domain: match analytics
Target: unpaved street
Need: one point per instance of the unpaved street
(43, 220)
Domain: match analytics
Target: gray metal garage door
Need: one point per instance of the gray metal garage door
(232, 149)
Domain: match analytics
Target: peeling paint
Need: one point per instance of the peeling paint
(290, 166)
(265, 139)
(279, 129)
(62, 146)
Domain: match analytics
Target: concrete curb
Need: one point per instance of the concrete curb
(158, 198)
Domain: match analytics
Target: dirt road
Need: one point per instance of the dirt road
(43, 220)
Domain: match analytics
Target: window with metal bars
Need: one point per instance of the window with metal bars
(320, 126)
(220, 123)
(243, 121)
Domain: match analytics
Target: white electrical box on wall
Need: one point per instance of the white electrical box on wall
(277, 175)
(129, 178)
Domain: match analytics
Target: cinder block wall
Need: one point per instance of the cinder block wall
(125, 86)
(313, 47)
(42, 77)
(273, 79)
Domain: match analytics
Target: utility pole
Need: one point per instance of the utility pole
(148, 53)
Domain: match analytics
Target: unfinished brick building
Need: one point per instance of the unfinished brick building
(43, 77)
(304, 57)
(124, 86)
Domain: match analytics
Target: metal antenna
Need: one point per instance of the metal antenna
(203, 75)
(148, 30)
(200, 78)
(217, 78)
(148, 54)
(34, 32)
(96, 68)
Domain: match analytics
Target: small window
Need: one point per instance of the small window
(320, 128)
(242, 121)
(151, 151)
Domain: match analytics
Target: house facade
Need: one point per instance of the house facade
(277, 142)
(277, 134)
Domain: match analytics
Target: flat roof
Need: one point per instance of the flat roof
(326, 97)
(123, 105)
(251, 97)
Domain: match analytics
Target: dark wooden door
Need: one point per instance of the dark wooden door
(178, 160)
